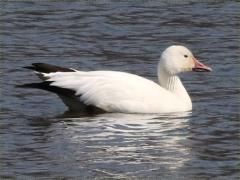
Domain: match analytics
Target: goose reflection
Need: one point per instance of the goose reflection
(136, 142)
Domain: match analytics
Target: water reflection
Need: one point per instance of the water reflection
(116, 145)
(132, 143)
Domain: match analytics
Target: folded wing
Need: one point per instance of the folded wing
(110, 90)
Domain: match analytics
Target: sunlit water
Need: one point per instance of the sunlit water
(39, 140)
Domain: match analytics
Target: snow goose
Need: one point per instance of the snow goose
(113, 91)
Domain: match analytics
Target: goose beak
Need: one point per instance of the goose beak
(200, 67)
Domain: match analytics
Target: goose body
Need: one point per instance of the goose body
(113, 91)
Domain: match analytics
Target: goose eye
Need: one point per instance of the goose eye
(185, 56)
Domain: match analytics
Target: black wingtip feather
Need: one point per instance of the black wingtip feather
(29, 67)
(47, 68)
(46, 85)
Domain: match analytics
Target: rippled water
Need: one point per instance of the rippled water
(39, 140)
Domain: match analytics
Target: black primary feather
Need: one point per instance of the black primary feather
(46, 85)
(47, 68)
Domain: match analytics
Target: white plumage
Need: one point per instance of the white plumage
(114, 91)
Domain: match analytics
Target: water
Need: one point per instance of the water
(39, 140)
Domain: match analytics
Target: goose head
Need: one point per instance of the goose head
(176, 59)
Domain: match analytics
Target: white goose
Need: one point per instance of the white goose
(113, 91)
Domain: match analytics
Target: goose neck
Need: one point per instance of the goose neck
(173, 84)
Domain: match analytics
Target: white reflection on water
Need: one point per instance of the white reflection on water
(133, 143)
